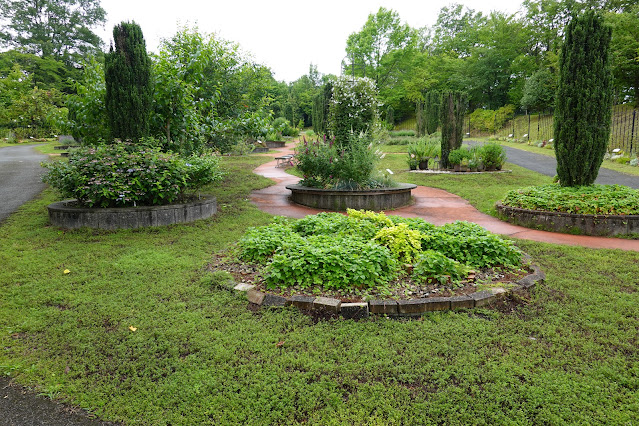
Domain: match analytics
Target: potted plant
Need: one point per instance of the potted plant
(423, 151)
(493, 156)
(455, 158)
(412, 162)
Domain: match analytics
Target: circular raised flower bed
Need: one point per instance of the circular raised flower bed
(67, 214)
(571, 223)
(342, 199)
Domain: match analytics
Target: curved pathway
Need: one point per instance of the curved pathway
(20, 174)
(433, 205)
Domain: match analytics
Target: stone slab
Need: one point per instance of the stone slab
(354, 310)
(327, 304)
(255, 296)
(437, 304)
(274, 300)
(411, 307)
(302, 302)
(482, 298)
(383, 307)
(462, 302)
(243, 287)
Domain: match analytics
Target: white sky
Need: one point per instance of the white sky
(285, 35)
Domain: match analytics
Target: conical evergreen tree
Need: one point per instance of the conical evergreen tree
(584, 100)
(129, 91)
(453, 110)
(432, 105)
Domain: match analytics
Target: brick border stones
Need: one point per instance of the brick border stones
(65, 215)
(570, 223)
(389, 307)
(340, 200)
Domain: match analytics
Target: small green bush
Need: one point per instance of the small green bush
(404, 243)
(124, 174)
(258, 245)
(457, 156)
(332, 262)
(335, 224)
(472, 245)
(433, 265)
(493, 156)
(324, 164)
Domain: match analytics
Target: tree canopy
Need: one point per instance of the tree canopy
(52, 28)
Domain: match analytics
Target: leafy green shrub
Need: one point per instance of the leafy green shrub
(125, 174)
(414, 223)
(333, 262)
(457, 156)
(594, 199)
(365, 249)
(433, 265)
(487, 120)
(472, 245)
(259, 244)
(335, 224)
(404, 243)
(325, 165)
(379, 219)
(493, 155)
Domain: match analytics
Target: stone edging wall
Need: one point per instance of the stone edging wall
(371, 199)
(64, 215)
(572, 223)
(393, 308)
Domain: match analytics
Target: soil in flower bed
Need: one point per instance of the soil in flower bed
(403, 288)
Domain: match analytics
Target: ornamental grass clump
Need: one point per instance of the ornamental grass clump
(366, 250)
(126, 175)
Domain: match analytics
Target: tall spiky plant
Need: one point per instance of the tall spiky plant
(129, 90)
(584, 100)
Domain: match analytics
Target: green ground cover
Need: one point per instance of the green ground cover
(139, 331)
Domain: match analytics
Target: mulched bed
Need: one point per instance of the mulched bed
(400, 289)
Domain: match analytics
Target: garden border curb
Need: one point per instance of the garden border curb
(393, 308)
(586, 224)
(339, 200)
(69, 217)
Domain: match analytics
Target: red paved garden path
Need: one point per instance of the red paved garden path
(433, 205)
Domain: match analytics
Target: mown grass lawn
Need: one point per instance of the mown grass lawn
(199, 356)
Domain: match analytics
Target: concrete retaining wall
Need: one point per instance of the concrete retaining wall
(570, 223)
(65, 215)
(372, 199)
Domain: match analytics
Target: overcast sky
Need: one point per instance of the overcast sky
(287, 36)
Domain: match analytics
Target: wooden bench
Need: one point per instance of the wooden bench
(284, 160)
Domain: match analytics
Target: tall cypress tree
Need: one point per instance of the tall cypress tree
(420, 118)
(584, 100)
(129, 91)
(453, 110)
(432, 105)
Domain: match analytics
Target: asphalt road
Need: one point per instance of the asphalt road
(548, 166)
(20, 174)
